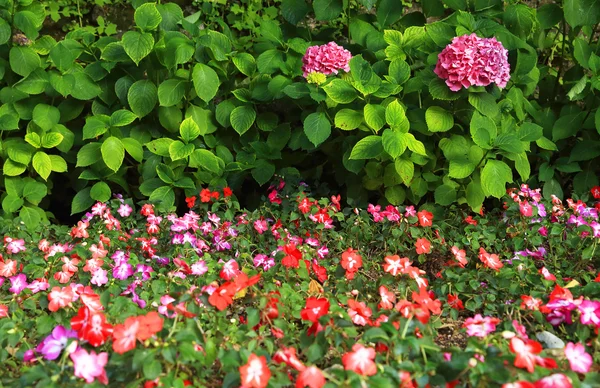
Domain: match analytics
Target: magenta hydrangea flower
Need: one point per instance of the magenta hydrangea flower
(471, 60)
(326, 59)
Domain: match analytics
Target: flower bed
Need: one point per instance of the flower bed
(304, 292)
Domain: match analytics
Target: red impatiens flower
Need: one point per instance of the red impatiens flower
(125, 335)
(227, 192)
(311, 377)
(595, 192)
(395, 265)
(526, 353)
(426, 302)
(60, 297)
(519, 384)
(557, 380)
(455, 303)
(190, 201)
(530, 303)
(150, 324)
(256, 373)
(359, 312)
(205, 195)
(360, 360)
(3, 311)
(388, 298)
(315, 308)
(469, 220)
(546, 274)
(423, 246)
(460, 255)
(425, 218)
(91, 326)
(223, 296)
(288, 356)
(292, 256)
(351, 262)
(490, 260)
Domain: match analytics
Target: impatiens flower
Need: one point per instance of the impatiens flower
(360, 360)
(359, 312)
(546, 274)
(125, 336)
(3, 311)
(315, 308)
(388, 299)
(470, 60)
(455, 303)
(327, 59)
(60, 297)
(351, 262)
(14, 246)
(526, 209)
(292, 257)
(124, 210)
(426, 302)
(99, 277)
(223, 296)
(256, 373)
(530, 303)
(479, 326)
(311, 377)
(425, 218)
(288, 356)
(18, 283)
(526, 353)
(91, 326)
(579, 360)
(557, 380)
(7, 268)
(519, 384)
(490, 260)
(53, 345)
(423, 246)
(595, 192)
(590, 312)
(395, 265)
(90, 366)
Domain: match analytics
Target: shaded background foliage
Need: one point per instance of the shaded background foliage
(207, 93)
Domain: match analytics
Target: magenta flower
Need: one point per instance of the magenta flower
(38, 285)
(326, 59)
(18, 283)
(470, 60)
(124, 210)
(557, 380)
(579, 360)
(590, 312)
(90, 366)
(479, 326)
(53, 345)
(199, 267)
(99, 277)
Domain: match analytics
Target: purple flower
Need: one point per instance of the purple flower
(122, 271)
(162, 260)
(29, 355)
(18, 283)
(52, 346)
(145, 271)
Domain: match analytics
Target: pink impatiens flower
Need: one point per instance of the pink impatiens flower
(471, 60)
(579, 360)
(90, 366)
(326, 59)
(480, 326)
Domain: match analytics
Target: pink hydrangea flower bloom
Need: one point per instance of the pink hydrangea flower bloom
(90, 366)
(579, 360)
(480, 326)
(327, 59)
(471, 60)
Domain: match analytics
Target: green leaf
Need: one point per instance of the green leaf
(522, 165)
(122, 117)
(52, 139)
(388, 12)
(88, 154)
(395, 195)
(375, 116)
(100, 192)
(552, 187)
(34, 139)
(82, 201)
(584, 181)
(113, 152)
(147, 16)
(327, 9)
(5, 31)
(142, 97)
(164, 196)
(585, 150)
(263, 171)
(133, 148)
(84, 87)
(171, 91)
(485, 103)
(12, 168)
(42, 164)
(494, 177)
(406, 169)
(152, 368)
(348, 119)
(369, 147)
(294, 11)
(12, 203)
(206, 82)
(30, 217)
(64, 54)
(34, 192)
(137, 45)
(179, 150)
(317, 128)
(445, 195)
(440, 91)
(58, 163)
(207, 160)
(438, 119)
(23, 60)
(189, 130)
(520, 19)
(393, 143)
(270, 61)
(95, 126)
(582, 12)
(546, 144)
(395, 115)
(509, 142)
(483, 130)
(245, 63)
(340, 91)
(242, 118)
(567, 126)
(20, 152)
(414, 145)
(475, 196)
(165, 173)
(530, 132)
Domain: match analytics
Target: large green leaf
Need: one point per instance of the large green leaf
(171, 91)
(317, 128)
(348, 119)
(388, 12)
(263, 171)
(164, 197)
(494, 177)
(485, 103)
(327, 9)
(82, 201)
(179, 150)
(142, 97)
(12, 203)
(438, 119)
(294, 10)
(147, 16)
(23, 60)
(406, 169)
(369, 147)
(89, 154)
(137, 45)
(42, 164)
(207, 160)
(242, 118)
(189, 130)
(206, 82)
(394, 143)
(46, 116)
(582, 12)
(245, 63)
(30, 217)
(133, 148)
(113, 152)
(100, 192)
(340, 91)
(375, 116)
(445, 195)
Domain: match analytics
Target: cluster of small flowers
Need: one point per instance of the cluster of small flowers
(326, 59)
(471, 60)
